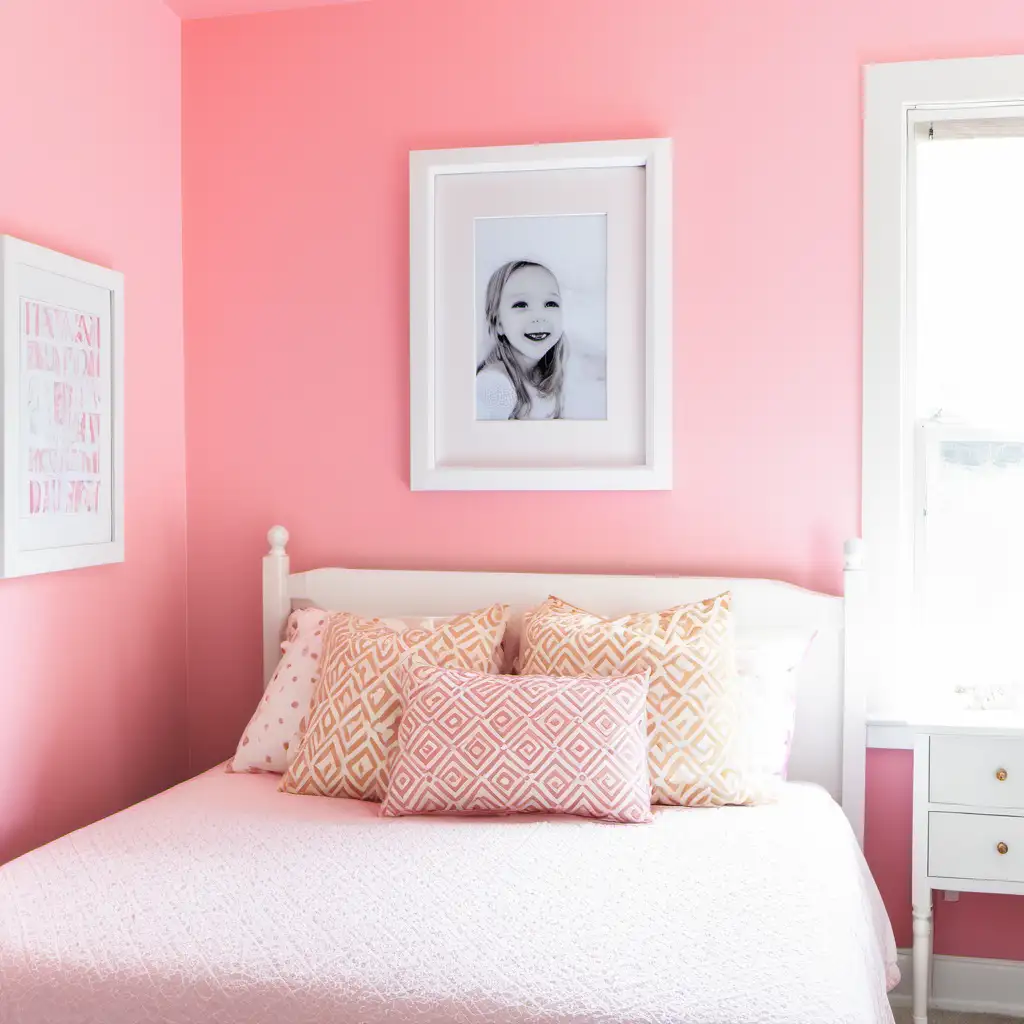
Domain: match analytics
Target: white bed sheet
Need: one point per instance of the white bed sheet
(223, 901)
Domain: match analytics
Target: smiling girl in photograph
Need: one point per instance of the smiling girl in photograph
(523, 376)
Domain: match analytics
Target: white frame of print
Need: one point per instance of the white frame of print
(425, 167)
(15, 561)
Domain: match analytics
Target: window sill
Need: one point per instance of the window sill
(895, 731)
(889, 732)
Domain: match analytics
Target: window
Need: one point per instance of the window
(944, 375)
(966, 257)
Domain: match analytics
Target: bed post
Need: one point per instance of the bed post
(276, 600)
(855, 671)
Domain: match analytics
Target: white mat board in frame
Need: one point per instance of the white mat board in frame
(630, 448)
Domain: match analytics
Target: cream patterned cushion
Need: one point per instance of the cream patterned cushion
(354, 710)
(768, 664)
(400, 622)
(697, 754)
(470, 743)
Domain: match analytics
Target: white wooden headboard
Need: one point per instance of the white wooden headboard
(830, 742)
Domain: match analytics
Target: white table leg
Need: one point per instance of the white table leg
(922, 959)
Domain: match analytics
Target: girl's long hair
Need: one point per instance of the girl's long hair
(547, 374)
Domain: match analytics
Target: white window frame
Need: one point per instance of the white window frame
(896, 96)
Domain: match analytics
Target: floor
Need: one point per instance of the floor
(948, 1017)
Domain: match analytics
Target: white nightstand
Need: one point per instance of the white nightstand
(968, 818)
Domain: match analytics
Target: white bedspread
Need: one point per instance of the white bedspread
(226, 902)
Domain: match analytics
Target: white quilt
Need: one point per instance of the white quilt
(226, 902)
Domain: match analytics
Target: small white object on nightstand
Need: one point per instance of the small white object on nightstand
(968, 818)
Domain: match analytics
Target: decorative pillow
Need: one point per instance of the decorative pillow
(400, 622)
(768, 663)
(697, 754)
(354, 711)
(470, 743)
(271, 739)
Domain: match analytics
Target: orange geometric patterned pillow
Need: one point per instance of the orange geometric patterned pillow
(695, 746)
(355, 708)
(401, 622)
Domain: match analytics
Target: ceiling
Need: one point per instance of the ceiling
(219, 8)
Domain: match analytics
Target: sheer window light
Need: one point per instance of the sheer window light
(967, 236)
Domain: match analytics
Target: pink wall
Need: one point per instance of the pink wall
(297, 133)
(92, 696)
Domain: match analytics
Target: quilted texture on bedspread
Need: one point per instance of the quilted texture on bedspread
(226, 902)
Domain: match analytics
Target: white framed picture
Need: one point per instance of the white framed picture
(62, 321)
(541, 322)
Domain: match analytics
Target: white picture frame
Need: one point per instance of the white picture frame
(62, 326)
(453, 190)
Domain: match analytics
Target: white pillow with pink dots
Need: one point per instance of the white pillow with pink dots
(271, 739)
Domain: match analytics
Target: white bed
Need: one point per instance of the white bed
(224, 901)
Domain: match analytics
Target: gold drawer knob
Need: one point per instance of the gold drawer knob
(1002, 848)
(1001, 775)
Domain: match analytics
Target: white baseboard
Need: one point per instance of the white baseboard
(967, 984)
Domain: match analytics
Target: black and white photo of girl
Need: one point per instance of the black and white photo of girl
(541, 286)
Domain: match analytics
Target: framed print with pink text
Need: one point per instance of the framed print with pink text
(62, 323)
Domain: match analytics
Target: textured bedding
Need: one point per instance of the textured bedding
(223, 901)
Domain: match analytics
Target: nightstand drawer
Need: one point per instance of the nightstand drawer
(971, 845)
(979, 771)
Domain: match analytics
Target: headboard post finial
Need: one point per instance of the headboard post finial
(278, 538)
(853, 554)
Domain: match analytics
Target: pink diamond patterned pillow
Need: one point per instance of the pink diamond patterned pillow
(470, 743)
